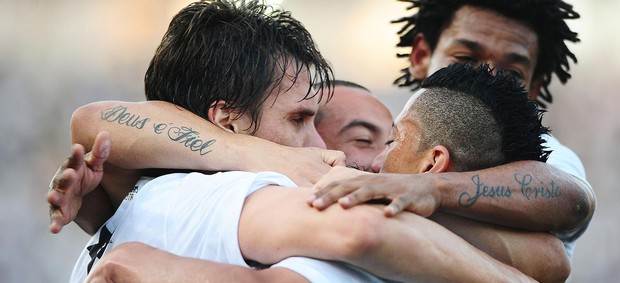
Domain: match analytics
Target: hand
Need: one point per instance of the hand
(305, 166)
(76, 177)
(411, 192)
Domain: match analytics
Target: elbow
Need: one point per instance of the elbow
(558, 266)
(560, 270)
(84, 121)
(582, 207)
(556, 274)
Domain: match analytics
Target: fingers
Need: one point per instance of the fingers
(328, 195)
(77, 157)
(396, 206)
(422, 205)
(361, 195)
(64, 179)
(100, 152)
(346, 194)
(332, 157)
(56, 220)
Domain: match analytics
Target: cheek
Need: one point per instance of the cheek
(293, 140)
(397, 160)
(437, 63)
(280, 136)
(391, 160)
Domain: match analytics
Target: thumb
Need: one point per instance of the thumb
(333, 157)
(100, 151)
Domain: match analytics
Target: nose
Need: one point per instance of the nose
(313, 139)
(376, 165)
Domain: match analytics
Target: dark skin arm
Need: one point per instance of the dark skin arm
(526, 194)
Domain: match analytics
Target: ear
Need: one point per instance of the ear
(534, 90)
(437, 160)
(223, 117)
(420, 57)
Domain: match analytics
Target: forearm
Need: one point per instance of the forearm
(526, 194)
(95, 210)
(137, 262)
(537, 254)
(429, 253)
(157, 134)
(276, 223)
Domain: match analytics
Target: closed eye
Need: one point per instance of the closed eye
(465, 59)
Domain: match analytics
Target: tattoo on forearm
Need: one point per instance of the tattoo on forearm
(482, 190)
(120, 115)
(180, 134)
(184, 135)
(544, 191)
(524, 181)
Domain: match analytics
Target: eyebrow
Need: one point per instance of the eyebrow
(303, 111)
(512, 57)
(359, 123)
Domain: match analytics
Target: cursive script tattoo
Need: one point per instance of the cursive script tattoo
(120, 115)
(186, 136)
(543, 191)
(180, 134)
(482, 190)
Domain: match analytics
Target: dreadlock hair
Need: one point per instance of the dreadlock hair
(484, 120)
(233, 51)
(545, 17)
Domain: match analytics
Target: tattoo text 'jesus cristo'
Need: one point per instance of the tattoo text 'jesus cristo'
(523, 185)
(180, 134)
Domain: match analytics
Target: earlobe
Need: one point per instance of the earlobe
(419, 58)
(223, 117)
(441, 159)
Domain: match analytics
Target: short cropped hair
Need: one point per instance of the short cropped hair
(236, 52)
(484, 120)
(546, 18)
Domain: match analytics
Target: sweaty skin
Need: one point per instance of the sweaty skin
(356, 123)
(477, 36)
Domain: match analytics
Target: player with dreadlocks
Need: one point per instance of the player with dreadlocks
(527, 39)
(545, 18)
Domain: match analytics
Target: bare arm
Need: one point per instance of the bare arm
(157, 134)
(533, 253)
(526, 194)
(137, 262)
(175, 139)
(279, 221)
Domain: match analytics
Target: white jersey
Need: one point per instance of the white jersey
(192, 215)
(327, 271)
(566, 160)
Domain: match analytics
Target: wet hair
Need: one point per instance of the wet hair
(484, 120)
(545, 17)
(349, 84)
(236, 52)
